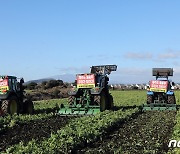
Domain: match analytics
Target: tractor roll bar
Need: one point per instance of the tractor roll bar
(162, 72)
(106, 69)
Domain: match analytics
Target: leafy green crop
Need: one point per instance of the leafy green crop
(10, 121)
(43, 109)
(76, 133)
(176, 134)
(45, 104)
(82, 130)
(129, 98)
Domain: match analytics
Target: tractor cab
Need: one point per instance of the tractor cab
(160, 94)
(10, 85)
(101, 74)
(12, 98)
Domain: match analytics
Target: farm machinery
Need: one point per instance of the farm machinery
(91, 94)
(12, 98)
(160, 94)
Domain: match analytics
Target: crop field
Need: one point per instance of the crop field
(126, 129)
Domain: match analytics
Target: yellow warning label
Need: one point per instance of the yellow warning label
(85, 85)
(158, 90)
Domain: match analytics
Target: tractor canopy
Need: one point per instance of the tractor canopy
(162, 72)
(103, 69)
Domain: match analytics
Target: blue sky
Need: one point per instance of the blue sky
(45, 38)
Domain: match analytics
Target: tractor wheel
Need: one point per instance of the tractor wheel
(103, 102)
(171, 99)
(4, 107)
(71, 100)
(97, 99)
(28, 107)
(150, 99)
(110, 104)
(10, 106)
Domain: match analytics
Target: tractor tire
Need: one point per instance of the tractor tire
(110, 104)
(28, 107)
(4, 107)
(10, 106)
(71, 100)
(103, 102)
(97, 99)
(171, 99)
(150, 99)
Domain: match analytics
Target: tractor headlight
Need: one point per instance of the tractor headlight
(96, 89)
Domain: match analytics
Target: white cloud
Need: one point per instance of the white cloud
(139, 75)
(131, 75)
(170, 54)
(138, 55)
(100, 57)
(74, 70)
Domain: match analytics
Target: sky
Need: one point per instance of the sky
(44, 38)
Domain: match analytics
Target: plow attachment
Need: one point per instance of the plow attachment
(78, 110)
(160, 107)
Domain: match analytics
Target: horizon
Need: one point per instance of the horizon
(58, 77)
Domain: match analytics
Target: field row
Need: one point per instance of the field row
(46, 109)
(36, 129)
(148, 132)
(176, 135)
(76, 133)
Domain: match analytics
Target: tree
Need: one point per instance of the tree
(31, 85)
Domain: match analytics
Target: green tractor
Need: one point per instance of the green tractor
(91, 94)
(12, 98)
(160, 94)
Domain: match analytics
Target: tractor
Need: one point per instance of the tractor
(12, 96)
(90, 95)
(160, 94)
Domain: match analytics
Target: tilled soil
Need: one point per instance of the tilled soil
(32, 130)
(150, 132)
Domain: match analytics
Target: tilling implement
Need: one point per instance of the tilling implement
(160, 94)
(91, 93)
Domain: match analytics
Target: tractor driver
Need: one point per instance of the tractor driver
(99, 77)
(21, 87)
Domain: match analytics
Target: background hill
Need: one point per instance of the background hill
(65, 78)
